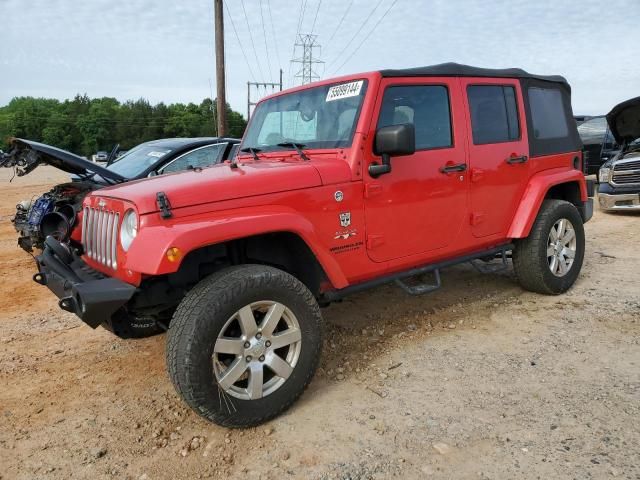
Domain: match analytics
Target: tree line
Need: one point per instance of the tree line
(85, 125)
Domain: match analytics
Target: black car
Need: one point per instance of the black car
(619, 188)
(599, 143)
(55, 212)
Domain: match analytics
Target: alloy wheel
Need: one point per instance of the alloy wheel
(561, 247)
(257, 350)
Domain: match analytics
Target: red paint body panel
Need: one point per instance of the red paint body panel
(417, 209)
(494, 178)
(216, 183)
(413, 216)
(535, 192)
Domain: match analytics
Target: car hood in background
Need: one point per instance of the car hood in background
(624, 121)
(26, 155)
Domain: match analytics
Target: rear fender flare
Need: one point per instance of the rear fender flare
(147, 254)
(535, 194)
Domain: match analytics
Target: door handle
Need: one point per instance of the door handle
(513, 159)
(452, 168)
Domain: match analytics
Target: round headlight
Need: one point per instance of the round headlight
(128, 229)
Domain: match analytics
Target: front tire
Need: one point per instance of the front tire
(243, 344)
(549, 260)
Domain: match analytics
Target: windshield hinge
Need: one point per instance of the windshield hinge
(163, 205)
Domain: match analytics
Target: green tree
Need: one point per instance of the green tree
(83, 125)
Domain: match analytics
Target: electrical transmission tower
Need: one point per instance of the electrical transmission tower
(308, 58)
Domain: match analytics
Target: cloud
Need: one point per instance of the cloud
(163, 50)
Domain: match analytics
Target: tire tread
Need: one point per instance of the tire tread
(211, 293)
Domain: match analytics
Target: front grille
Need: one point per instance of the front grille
(625, 166)
(626, 179)
(626, 172)
(100, 235)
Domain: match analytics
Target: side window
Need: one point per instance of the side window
(547, 113)
(202, 157)
(426, 106)
(494, 113)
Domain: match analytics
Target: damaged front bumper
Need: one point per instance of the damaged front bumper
(81, 290)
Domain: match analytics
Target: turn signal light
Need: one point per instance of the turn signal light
(174, 254)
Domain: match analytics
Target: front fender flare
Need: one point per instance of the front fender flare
(147, 254)
(535, 194)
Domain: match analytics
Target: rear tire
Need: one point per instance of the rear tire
(243, 344)
(533, 257)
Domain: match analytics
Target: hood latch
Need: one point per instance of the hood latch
(163, 205)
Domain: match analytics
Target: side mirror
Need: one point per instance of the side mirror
(392, 141)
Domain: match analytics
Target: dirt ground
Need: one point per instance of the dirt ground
(478, 380)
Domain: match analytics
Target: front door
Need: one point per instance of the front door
(498, 153)
(420, 206)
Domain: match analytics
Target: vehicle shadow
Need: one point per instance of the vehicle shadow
(363, 325)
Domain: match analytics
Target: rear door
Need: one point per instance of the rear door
(498, 152)
(421, 205)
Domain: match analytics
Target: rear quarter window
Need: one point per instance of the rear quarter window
(547, 114)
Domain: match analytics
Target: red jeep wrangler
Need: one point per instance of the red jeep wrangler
(341, 185)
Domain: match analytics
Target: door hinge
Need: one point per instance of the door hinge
(372, 189)
(476, 174)
(477, 218)
(374, 241)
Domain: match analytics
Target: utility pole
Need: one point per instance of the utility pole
(221, 101)
(257, 85)
(308, 58)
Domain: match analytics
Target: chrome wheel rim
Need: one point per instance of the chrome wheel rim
(257, 350)
(561, 247)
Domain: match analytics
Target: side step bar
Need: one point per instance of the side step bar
(485, 267)
(420, 288)
(398, 277)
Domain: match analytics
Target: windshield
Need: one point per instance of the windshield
(319, 117)
(138, 159)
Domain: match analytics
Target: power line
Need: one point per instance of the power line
(316, 17)
(357, 32)
(303, 6)
(339, 24)
(366, 36)
(301, 16)
(273, 31)
(239, 42)
(266, 47)
(255, 52)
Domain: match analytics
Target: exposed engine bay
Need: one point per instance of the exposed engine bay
(54, 213)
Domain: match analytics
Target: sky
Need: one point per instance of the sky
(163, 50)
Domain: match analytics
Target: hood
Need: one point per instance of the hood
(217, 183)
(624, 121)
(26, 155)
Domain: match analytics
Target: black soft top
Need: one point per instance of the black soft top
(459, 70)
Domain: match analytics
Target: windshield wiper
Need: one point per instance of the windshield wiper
(253, 151)
(297, 146)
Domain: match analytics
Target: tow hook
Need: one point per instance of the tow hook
(68, 304)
